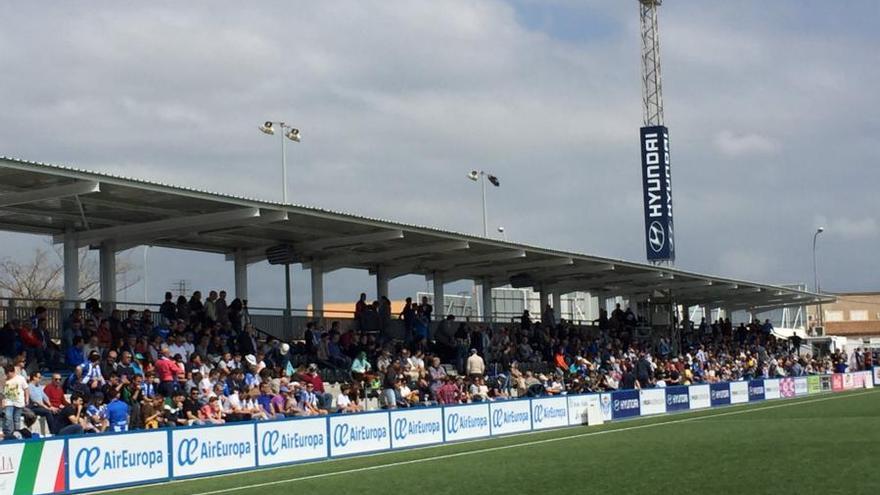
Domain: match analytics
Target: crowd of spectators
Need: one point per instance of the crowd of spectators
(201, 362)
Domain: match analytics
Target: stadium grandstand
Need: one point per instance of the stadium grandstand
(76, 368)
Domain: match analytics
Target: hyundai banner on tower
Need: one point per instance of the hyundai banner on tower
(657, 189)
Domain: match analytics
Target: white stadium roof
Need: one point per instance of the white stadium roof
(49, 199)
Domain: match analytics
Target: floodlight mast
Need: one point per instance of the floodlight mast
(652, 87)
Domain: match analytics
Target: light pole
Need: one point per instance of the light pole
(288, 132)
(481, 176)
(816, 275)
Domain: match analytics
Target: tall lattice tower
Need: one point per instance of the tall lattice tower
(656, 177)
(652, 86)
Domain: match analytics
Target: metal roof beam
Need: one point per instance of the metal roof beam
(390, 255)
(146, 231)
(348, 241)
(504, 271)
(54, 192)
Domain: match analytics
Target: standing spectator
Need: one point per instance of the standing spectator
(15, 397)
(168, 309)
(408, 315)
(167, 370)
(476, 367)
(222, 309)
(360, 310)
(211, 308)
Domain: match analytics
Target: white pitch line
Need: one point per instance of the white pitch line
(524, 444)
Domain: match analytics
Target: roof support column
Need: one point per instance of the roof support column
(556, 295)
(240, 267)
(381, 282)
(542, 302)
(71, 272)
(486, 287)
(317, 273)
(439, 296)
(107, 263)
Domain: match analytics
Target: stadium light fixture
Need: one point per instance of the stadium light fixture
(287, 132)
(481, 175)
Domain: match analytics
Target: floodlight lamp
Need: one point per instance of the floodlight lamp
(820, 230)
(293, 134)
(266, 128)
(494, 180)
(473, 175)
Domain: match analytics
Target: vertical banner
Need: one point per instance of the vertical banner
(719, 394)
(677, 399)
(32, 467)
(212, 449)
(699, 396)
(877, 376)
(825, 383)
(652, 401)
(98, 461)
(837, 382)
(739, 392)
(756, 390)
(551, 412)
(466, 422)
(359, 433)
(801, 386)
(414, 427)
(625, 404)
(605, 399)
(847, 381)
(510, 417)
(292, 440)
(657, 189)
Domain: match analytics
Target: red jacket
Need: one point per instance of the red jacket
(29, 338)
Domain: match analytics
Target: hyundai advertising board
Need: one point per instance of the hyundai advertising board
(719, 394)
(677, 399)
(657, 191)
(625, 404)
(756, 390)
(292, 440)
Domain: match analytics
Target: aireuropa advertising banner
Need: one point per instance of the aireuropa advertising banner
(699, 396)
(32, 467)
(657, 191)
(677, 399)
(625, 404)
(510, 417)
(466, 422)
(800, 385)
(415, 427)
(652, 401)
(550, 412)
(786, 387)
(605, 400)
(212, 449)
(291, 440)
(358, 433)
(98, 461)
(837, 382)
(739, 392)
(756, 390)
(581, 406)
(771, 389)
(814, 385)
(719, 394)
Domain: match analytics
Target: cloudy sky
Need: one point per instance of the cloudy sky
(772, 110)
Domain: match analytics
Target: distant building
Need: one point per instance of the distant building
(855, 314)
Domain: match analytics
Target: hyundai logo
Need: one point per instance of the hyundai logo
(340, 435)
(270, 442)
(656, 236)
(188, 452)
(86, 464)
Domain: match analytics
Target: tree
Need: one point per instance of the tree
(42, 277)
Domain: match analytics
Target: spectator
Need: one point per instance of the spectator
(475, 365)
